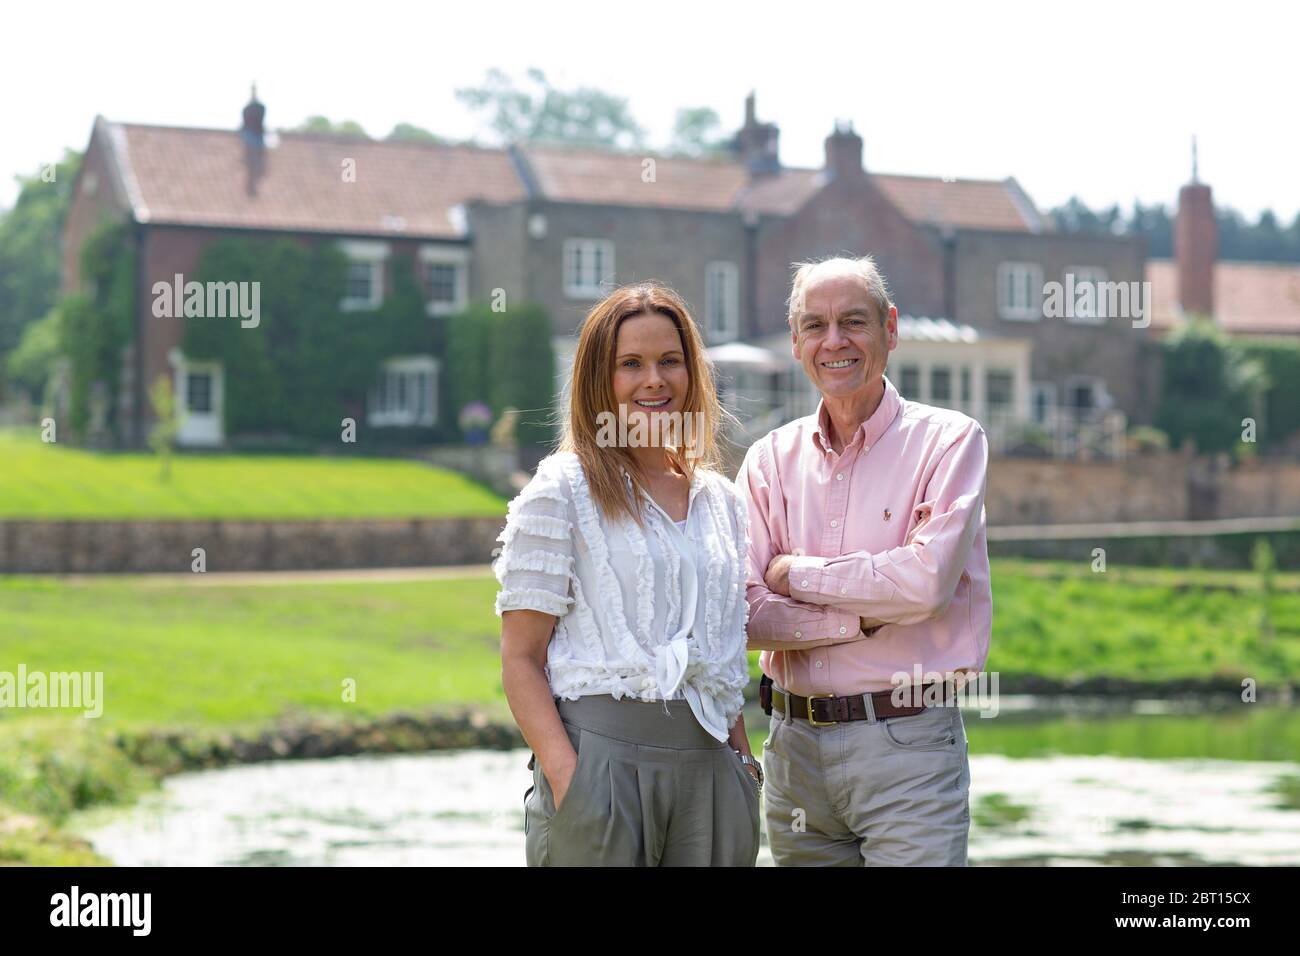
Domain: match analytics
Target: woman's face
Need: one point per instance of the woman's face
(650, 374)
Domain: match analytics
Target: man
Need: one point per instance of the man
(867, 565)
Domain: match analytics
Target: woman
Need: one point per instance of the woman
(623, 609)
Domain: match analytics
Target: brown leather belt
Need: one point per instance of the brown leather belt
(822, 710)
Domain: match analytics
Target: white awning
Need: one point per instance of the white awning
(751, 356)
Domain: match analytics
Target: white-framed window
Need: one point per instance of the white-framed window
(444, 276)
(588, 267)
(721, 302)
(965, 387)
(1020, 291)
(999, 390)
(909, 381)
(1086, 393)
(406, 393)
(364, 280)
(1087, 309)
(941, 385)
(1043, 399)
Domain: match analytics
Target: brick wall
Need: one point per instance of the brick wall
(851, 217)
(1170, 487)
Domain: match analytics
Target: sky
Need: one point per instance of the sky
(1098, 100)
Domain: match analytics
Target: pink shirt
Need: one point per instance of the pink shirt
(891, 530)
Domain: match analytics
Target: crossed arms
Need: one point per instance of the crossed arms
(801, 602)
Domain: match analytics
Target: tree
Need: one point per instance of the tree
(322, 124)
(695, 133)
(1264, 241)
(1209, 388)
(30, 261)
(164, 431)
(29, 365)
(408, 132)
(583, 116)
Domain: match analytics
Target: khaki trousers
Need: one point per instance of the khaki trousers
(651, 788)
(887, 792)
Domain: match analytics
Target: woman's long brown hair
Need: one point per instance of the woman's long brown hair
(592, 392)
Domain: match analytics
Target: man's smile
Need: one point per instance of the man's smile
(840, 363)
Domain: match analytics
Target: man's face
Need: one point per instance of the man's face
(838, 338)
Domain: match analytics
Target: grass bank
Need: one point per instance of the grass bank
(52, 481)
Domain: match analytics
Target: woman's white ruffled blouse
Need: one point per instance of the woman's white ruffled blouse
(647, 612)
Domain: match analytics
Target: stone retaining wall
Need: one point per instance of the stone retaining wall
(88, 547)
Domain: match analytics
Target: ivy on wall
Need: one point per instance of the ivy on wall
(95, 325)
(307, 364)
(505, 360)
(1280, 360)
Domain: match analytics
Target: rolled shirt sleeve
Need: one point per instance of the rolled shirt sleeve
(912, 583)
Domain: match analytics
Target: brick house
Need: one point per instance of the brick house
(967, 260)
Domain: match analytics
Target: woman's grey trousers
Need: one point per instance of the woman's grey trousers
(651, 788)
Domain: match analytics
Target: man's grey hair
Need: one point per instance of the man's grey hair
(865, 268)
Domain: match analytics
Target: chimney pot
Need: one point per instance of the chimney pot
(844, 152)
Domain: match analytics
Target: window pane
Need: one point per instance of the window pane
(198, 392)
(909, 381)
(940, 384)
(998, 389)
(358, 280)
(440, 279)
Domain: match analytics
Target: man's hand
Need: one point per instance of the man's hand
(777, 575)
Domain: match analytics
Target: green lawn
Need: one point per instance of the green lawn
(216, 655)
(39, 480)
(227, 657)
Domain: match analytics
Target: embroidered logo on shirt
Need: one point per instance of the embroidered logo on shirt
(887, 514)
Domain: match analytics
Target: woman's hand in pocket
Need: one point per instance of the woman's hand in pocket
(562, 778)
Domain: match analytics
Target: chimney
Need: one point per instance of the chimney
(253, 133)
(1196, 241)
(253, 129)
(757, 143)
(844, 153)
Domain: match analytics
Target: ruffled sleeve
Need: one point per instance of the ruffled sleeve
(535, 567)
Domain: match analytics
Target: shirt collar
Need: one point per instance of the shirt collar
(870, 431)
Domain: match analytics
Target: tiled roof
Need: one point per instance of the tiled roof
(200, 177)
(617, 179)
(962, 203)
(1260, 298)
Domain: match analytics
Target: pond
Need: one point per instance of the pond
(1151, 785)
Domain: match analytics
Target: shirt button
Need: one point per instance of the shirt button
(803, 584)
(819, 664)
(844, 590)
(843, 629)
(840, 476)
(798, 633)
(835, 523)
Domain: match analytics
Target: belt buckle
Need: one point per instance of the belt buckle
(813, 720)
